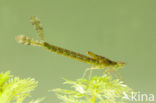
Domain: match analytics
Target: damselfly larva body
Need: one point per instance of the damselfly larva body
(96, 61)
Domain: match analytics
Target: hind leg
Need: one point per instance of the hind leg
(88, 69)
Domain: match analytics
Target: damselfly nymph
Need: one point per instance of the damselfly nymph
(96, 61)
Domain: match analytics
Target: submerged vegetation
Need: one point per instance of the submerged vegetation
(99, 89)
(16, 90)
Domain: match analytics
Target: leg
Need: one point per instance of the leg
(118, 74)
(114, 74)
(90, 74)
(107, 71)
(88, 69)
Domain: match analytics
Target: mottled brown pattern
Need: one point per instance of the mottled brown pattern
(96, 61)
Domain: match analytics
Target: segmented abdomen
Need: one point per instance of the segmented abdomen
(71, 54)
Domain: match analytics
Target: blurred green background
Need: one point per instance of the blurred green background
(121, 30)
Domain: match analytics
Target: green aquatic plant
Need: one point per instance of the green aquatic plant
(99, 89)
(16, 90)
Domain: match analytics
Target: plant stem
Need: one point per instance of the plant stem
(93, 99)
